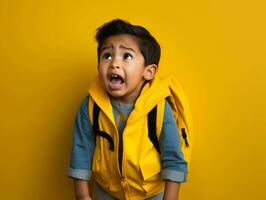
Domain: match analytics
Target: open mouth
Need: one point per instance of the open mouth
(116, 79)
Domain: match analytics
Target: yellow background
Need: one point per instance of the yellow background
(48, 58)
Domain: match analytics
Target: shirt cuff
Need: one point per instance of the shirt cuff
(173, 175)
(79, 173)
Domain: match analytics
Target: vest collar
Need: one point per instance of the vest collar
(151, 94)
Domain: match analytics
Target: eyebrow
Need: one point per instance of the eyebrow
(121, 46)
(127, 48)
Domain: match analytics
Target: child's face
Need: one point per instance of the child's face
(121, 68)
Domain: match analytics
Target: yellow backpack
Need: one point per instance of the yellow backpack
(181, 111)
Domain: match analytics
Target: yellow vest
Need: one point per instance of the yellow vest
(141, 167)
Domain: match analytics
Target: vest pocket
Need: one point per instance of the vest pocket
(100, 170)
(150, 166)
(99, 165)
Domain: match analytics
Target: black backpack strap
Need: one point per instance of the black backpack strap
(95, 126)
(184, 135)
(152, 118)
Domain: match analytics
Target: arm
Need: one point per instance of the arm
(82, 153)
(171, 190)
(82, 191)
(174, 167)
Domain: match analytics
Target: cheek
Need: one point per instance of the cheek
(102, 69)
(101, 74)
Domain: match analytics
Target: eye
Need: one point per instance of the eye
(127, 56)
(107, 56)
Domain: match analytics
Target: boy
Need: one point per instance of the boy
(114, 148)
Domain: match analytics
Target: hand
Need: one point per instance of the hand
(171, 190)
(85, 198)
(82, 190)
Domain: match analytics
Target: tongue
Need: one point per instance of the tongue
(116, 81)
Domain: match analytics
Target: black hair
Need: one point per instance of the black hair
(149, 47)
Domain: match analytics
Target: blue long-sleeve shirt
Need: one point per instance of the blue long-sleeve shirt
(174, 167)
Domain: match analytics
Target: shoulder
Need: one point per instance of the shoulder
(84, 104)
(167, 107)
(83, 107)
(168, 113)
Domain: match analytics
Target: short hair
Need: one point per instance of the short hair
(149, 47)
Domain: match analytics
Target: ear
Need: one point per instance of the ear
(150, 71)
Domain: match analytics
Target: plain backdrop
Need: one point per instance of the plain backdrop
(216, 49)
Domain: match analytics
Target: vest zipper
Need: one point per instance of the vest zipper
(120, 153)
(123, 179)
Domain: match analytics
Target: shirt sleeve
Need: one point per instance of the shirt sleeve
(83, 144)
(174, 167)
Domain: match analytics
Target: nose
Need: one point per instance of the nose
(115, 64)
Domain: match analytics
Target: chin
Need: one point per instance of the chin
(115, 94)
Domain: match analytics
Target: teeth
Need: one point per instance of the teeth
(117, 78)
